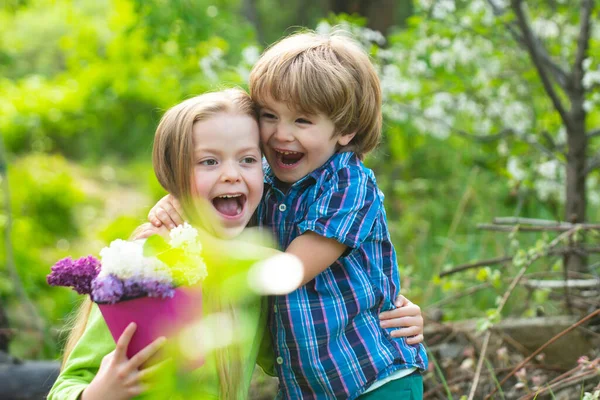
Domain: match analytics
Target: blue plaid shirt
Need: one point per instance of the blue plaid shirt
(327, 336)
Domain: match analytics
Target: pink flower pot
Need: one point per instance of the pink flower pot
(154, 317)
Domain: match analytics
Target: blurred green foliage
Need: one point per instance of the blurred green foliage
(83, 84)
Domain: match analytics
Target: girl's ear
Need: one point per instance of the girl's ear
(344, 140)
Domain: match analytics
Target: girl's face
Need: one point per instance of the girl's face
(228, 169)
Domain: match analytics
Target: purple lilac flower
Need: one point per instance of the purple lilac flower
(107, 289)
(147, 287)
(77, 274)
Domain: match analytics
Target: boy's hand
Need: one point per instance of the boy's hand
(167, 211)
(120, 378)
(146, 230)
(406, 316)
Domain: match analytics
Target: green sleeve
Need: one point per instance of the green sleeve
(266, 357)
(84, 361)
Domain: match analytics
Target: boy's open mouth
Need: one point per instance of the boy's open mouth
(230, 205)
(288, 158)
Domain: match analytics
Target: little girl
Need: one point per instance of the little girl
(206, 148)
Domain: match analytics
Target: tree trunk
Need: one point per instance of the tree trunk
(251, 14)
(4, 330)
(575, 204)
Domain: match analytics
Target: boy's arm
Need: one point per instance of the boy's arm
(316, 252)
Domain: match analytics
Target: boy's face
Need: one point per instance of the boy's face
(228, 169)
(295, 144)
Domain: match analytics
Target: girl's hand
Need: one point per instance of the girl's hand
(167, 211)
(120, 378)
(406, 316)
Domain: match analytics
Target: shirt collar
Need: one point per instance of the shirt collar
(335, 162)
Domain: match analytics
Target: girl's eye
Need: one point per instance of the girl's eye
(249, 160)
(303, 121)
(209, 162)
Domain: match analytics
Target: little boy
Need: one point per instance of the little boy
(320, 114)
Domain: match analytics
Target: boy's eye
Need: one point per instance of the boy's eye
(267, 115)
(209, 162)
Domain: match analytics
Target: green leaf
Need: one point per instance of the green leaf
(172, 256)
(154, 245)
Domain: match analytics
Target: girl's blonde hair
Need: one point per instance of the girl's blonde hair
(329, 74)
(173, 162)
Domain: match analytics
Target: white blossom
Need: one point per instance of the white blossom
(591, 78)
(185, 237)
(323, 28)
(442, 8)
(548, 169)
(502, 148)
(250, 54)
(126, 259)
(214, 60)
(515, 170)
(545, 29)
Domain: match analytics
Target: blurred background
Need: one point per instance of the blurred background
(491, 111)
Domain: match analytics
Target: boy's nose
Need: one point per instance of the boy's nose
(284, 133)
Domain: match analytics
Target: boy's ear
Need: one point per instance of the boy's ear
(344, 140)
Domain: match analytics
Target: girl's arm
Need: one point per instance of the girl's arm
(118, 377)
(92, 363)
(85, 359)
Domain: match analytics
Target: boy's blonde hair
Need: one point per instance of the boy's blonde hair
(330, 74)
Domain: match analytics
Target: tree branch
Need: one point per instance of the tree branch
(507, 259)
(583, 42)
(560, 76)
(594, 133)
(529, 221)
(535, 49)
(539, 350)
(547, 228)
(592, 164)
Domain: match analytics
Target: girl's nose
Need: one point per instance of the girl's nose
(231, 173)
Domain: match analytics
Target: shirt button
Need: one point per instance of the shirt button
(282, 207)
(279, 360)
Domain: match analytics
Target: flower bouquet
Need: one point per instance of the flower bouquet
(151, 282)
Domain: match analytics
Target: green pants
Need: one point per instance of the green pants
(408, 388)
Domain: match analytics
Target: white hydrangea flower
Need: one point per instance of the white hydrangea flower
(126, 260)
(192, 271)
(185, 237)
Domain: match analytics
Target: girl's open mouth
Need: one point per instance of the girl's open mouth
(230, 205)
(288, 158)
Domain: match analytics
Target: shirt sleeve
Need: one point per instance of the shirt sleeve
(346, 209)
(84, 361)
